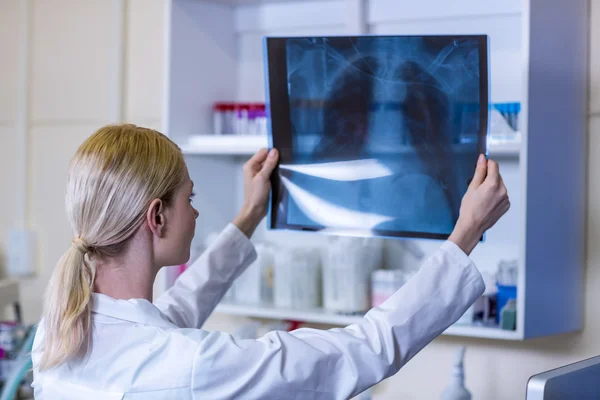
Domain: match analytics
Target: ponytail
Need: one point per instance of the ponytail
(67, 307)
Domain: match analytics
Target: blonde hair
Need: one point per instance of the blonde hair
(113, 177)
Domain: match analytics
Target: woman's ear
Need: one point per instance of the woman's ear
(155, 217)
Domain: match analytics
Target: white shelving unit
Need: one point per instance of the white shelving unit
(231, 145)
(317, 315)
(538, 56)
(324, 317)
(224, 145)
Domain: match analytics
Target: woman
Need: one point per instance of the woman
(129, 203)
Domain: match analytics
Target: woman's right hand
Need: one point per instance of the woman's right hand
(482, 206)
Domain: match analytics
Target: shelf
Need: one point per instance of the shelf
(317, 315)
(505, 149)
(482, 332)
(224, 145)
(248, 145)
(321, 316)
(221, 40)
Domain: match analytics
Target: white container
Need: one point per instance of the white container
(218, 120)
(255, 285)
(297, 278)
(347, 266)
(384, 283)
(242, 120)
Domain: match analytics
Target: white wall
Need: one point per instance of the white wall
(74, 64)
(72, 70)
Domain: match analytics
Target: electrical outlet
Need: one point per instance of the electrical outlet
(21, 253)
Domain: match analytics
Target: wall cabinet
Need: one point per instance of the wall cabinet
(538, 57)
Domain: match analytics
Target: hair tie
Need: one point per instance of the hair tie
(80, 245)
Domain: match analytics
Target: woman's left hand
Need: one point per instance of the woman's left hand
(257, 186)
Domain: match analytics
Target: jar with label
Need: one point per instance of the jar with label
(347, 266)
(261, 121)
(219, 116)
(224, 118)
(242, 120)
(255, 284)
(507, 277)
(297, 278)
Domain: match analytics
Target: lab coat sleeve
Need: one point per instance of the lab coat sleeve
(195, 294)
(340, 363)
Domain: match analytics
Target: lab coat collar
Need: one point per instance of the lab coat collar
(139, 311)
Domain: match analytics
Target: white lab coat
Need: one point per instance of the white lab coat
(157, 351)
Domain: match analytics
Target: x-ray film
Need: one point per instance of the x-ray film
(378, 135)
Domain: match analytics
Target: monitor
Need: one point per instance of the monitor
(578, 381)
(378, 135)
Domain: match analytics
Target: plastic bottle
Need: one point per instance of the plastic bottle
(261, 121)
(219, 111)
(456, 390)
(297, 278)
(347, 265)
(229, 119)
(242, 119)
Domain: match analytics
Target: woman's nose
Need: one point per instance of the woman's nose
(196, 214)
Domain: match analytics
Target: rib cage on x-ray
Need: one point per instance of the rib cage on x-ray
(385, 132)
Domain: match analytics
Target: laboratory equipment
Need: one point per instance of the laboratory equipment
(224, 117)
(507, 273)
(362, 152)
(260, 121)
(297, 274)
(501, 132)
(510, 112)
(577, 381)
(347, 266)
(239, 118)
(506, 282)
(219, 116)
(456, 390)
(255, 285)
(508, 316)
(483, 311)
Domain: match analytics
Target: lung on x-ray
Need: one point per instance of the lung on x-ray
(378, 135)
